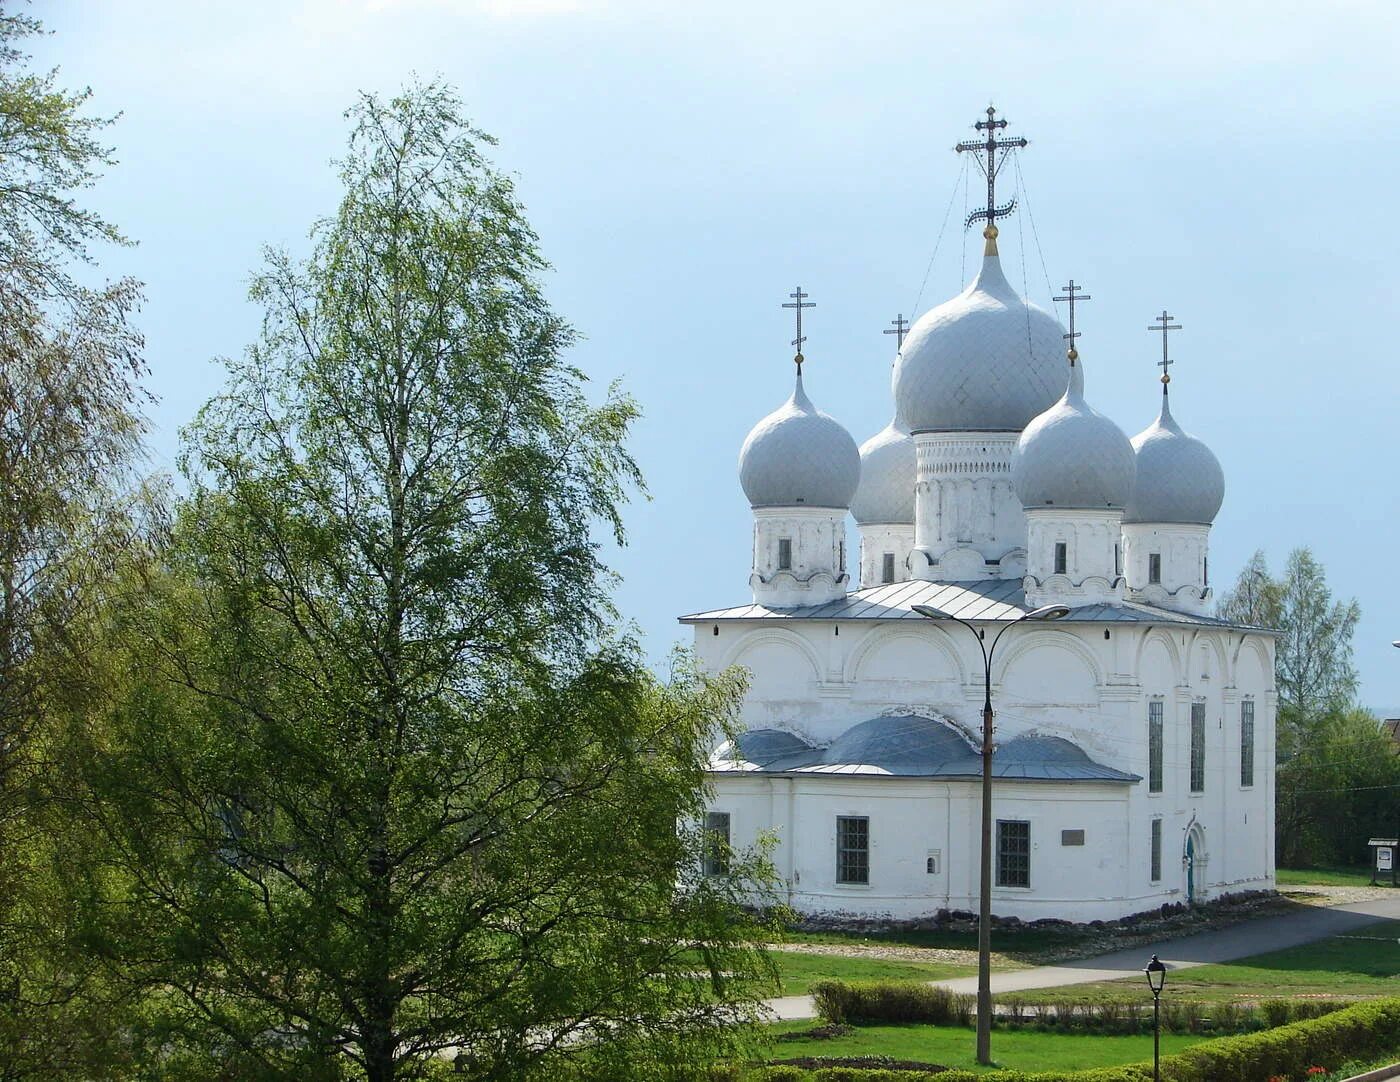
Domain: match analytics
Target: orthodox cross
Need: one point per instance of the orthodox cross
(799, 302)
(991, 167)
(1165, 325)
(900, 326)
(1072, 294)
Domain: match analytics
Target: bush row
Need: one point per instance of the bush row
(870, 1002)
(1359, 1031)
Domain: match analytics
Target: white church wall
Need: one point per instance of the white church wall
(1183, 551)
(818, 678)
(878, 540)
(965, 512)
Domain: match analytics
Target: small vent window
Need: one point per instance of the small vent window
(1061, 557)
(887, 567)
(785, 554)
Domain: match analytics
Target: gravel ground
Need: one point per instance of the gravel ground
(1109, 939)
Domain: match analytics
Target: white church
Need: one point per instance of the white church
(1133, 758)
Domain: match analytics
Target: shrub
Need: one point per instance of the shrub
(1276, 1012)
(1228, 1017)
(884, 1001)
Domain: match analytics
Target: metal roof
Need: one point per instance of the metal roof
(985, 599)
(912, 746)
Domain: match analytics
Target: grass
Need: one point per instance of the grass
(1362, 963)
(954, 1046)
(1327, 877)
(800, 971)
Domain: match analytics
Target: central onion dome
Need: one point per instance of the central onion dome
(887, 478)
(1179, 479)
(799, 456)
(985, 361)
(1072, 456)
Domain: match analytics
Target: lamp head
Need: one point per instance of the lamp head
(1047, 612)
(1156, 975)
(1395, 642)
(930, 612)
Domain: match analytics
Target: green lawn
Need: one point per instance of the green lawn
(800, 971)
(1364, 962)
(956, 1047)
(1329, 877)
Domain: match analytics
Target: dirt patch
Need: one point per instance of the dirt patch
(875, 1063)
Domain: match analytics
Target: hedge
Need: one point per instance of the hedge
(1365, 1030)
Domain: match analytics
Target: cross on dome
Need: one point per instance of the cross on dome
(1165, 325)
(900, 326)
(1072, 295)
(798, 299)
(990, 168)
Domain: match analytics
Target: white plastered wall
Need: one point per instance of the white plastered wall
(1184, 550)
(818, 556)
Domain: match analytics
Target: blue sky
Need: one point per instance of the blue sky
(687, 164)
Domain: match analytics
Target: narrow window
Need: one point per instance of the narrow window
(1205, 570)
(785, 554)
(1247, 742)
(887, 567)
(1198, 747)
(841, 555)
(1156, 850)
(1013, 853)
(852, 849)
(716, 843)
(931, 862)
(1154, 746)
(1061, 557)
(1154, 567)
(1117, 560)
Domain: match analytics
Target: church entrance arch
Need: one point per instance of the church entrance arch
(1193, 859)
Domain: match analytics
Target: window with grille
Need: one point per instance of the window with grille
(1013, 853)
(852, 849)
(1154, 567)
(887, 567)
(1198, 747)
(1156, 850)
(1154, 746)
(785, 554)
(1247, 742)
(717, 843)
(1061, 557)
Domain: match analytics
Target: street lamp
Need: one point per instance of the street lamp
(1156, 977)
(984, 915)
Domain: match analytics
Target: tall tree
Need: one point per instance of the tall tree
(383, 786)
(70, 432)
(1316, 689)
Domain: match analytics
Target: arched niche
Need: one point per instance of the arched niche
(902, 656)
(1153, 647)
(1048, 669)
(782, 667)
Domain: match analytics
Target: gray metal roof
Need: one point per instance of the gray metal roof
(986, 599)
(911, 746)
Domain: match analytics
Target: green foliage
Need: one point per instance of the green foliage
(1357, 1032)
(1338, 780)
(378, 783)
(883, 1001)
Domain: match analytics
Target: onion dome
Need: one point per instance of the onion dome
(887, 477)
(799, 456)
(1179, 479)
(985, 361)
(1072, 456)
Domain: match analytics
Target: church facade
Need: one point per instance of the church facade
(1005, 526)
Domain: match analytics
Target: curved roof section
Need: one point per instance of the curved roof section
(888, 472)
(910, 745)
(985, 361)
(799, 456)
(1179, 479)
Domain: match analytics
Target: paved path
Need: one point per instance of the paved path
(1204, 948)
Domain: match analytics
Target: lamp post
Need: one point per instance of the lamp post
(1156, 977)
(984, 913)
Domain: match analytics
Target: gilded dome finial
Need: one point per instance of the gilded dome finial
(1165, 324)
(799, 303)
(1073, 294)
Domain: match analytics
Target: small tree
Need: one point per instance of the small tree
(383, 786)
